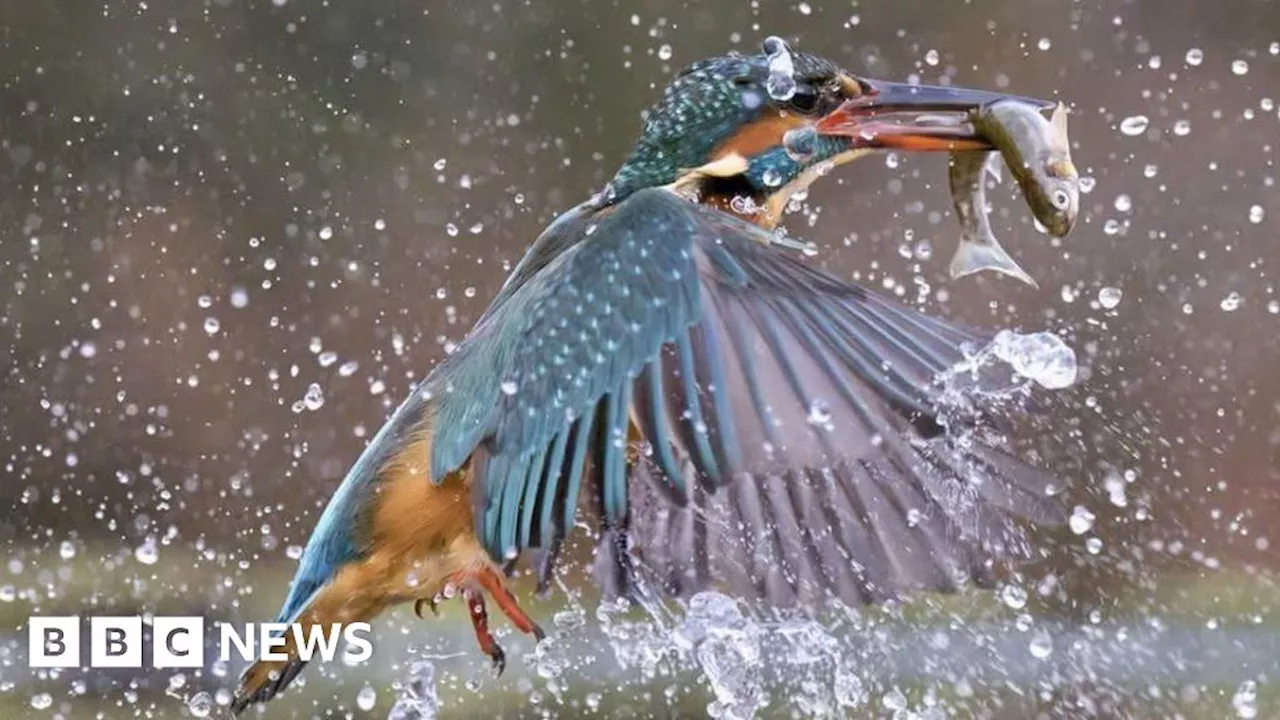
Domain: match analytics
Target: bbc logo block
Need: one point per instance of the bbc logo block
(53, 642)
(116, 642)
(177, 642)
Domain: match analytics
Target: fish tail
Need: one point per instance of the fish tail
(972, 257)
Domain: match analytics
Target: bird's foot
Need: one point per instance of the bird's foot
(488, 580)
(480, 621)
(492, 582)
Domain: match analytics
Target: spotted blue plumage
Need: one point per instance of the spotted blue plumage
(566, 344)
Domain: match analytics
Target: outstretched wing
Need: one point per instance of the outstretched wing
(747, 420)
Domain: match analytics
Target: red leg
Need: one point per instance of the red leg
(493, 584)
(480, 621)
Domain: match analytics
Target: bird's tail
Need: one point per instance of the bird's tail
(333, 605)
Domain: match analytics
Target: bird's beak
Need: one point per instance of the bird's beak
(913, 117)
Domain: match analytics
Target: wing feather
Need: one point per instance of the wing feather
(790, 445)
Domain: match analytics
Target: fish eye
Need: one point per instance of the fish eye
(1061, 199)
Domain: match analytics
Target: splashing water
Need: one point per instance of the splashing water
(727, 647)
(1042, 357)
(781, 84)
(1038, 358)
(417, 698)
(642, 646)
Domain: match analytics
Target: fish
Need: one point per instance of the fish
(1038, 154)
(978, 250)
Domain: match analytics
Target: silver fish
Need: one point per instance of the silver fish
(1038, 153)
(978, 249)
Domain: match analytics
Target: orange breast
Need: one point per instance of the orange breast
(765, 132)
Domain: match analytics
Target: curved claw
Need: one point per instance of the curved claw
(422, 603)
(499, 658)
(538, 634)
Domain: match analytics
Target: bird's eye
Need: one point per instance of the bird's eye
(1061, 199)
(805, 100)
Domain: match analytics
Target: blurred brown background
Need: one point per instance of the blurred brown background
(209, 206)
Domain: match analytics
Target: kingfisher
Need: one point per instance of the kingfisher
(667, 369)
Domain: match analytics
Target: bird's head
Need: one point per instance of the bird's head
(746, 132)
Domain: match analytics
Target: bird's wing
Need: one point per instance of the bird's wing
(779, 422)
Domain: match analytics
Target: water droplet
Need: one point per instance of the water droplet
(1087, 184)
(1115, 486)
(1245, 700)
(348, 368)
(201, 705)
(771, 177)
(1109, 297)
(781, 83)
(1041, 644)
(326, 232)
(665, 52)
(239, 298)
(509, 387)
(1182, 128)
(931, 57)
(1013, 596)
(211, 325)
(366, 698)
(1239, 67)
(1044, 43)
(1134, 125)
(314, 397)
(1256, 214)
(42, 701)
(819, 413)
(1231, 302)
(1195, 56)
(1123, 203)
(147, 553)
(1081, 520)
(293, 552)
(800, 143)
(67, 550)
(743, 205)
(894, 700)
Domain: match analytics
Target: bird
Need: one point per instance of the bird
(665, 362)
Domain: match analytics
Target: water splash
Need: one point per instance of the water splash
(417, 698)
(726, 645)
(1041, 358)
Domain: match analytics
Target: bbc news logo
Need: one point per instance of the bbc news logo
(180, 642)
